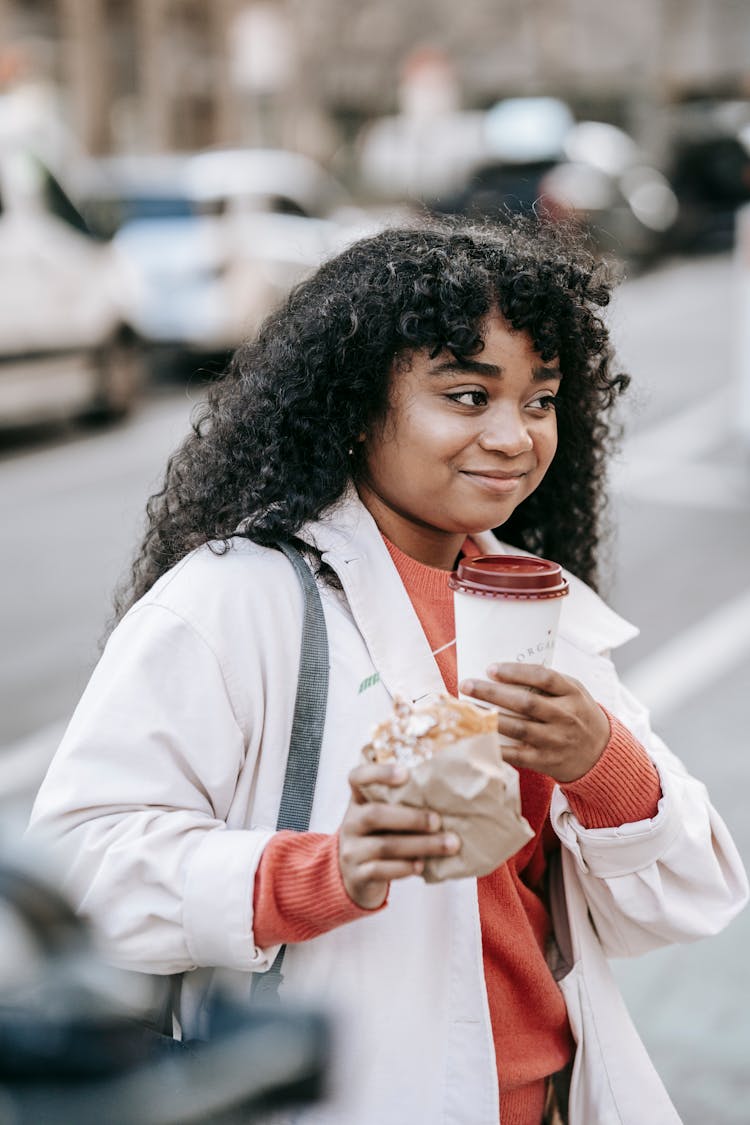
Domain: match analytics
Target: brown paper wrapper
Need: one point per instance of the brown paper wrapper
(478, 796)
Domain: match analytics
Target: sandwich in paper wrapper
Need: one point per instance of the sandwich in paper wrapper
(451, 749)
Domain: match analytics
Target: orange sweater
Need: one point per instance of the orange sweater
(299, 893)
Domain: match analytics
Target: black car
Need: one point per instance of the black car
(710, 172)
(711, 178)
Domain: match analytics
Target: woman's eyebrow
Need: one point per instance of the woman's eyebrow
(540, 374)
(473, 366)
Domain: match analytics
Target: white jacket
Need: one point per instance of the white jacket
(166, 788)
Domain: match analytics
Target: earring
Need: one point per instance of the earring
(350, 450)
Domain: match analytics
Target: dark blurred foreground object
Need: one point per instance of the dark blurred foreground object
(710, 171)
(72, 1054)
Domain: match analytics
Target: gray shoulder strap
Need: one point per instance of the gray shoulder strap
(307, 734)
(309, 706)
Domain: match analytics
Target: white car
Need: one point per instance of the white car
(217, 238)
(67, 348)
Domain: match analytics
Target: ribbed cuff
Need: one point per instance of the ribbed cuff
(621, 788)
(299, 893)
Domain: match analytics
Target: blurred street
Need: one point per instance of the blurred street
(170, 169)
(71, 507)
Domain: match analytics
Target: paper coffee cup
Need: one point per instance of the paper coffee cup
(507, 610)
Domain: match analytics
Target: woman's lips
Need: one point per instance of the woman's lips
(498, 483)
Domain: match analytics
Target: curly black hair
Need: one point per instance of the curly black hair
(270, 446)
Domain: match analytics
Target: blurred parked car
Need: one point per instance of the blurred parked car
(67, 347)
(710, 172)
(525, 154)
(523, 141)
(217, 238)
(605, 182)
(540, 159)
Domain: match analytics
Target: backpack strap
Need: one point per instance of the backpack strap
(306, 737)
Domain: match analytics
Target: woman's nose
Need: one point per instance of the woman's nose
(505, 431)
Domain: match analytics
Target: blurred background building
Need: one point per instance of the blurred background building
(155, 75)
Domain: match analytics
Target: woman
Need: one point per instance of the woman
(420, 389)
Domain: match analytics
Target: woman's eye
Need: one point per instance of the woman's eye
(546, 402)
(469, 398)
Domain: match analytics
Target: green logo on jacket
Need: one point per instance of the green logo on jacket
(369, 682)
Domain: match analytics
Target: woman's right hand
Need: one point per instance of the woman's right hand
(380, 842)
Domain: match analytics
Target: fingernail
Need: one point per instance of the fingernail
(493, 670)
(434, 822)
(398, 774)
(418, 866)
(452, 841)
(466, 686)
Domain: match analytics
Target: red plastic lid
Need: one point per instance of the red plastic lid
(514, 576)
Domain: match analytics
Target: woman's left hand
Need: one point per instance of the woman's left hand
(557, 727)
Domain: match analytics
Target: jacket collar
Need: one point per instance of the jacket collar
(350, 542)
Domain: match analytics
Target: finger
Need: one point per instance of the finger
(385, 871)
(375, 773)
(379, 817)
(549, 734)
(521, 731)
(535, 676)
(526, 757)
(370, 848)
(520, 699)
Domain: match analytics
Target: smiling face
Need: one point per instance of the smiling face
(463, 443)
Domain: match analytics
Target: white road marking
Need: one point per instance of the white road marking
(693, 659)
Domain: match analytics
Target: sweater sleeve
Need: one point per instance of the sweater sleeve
(621, 788)
(299, 893)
